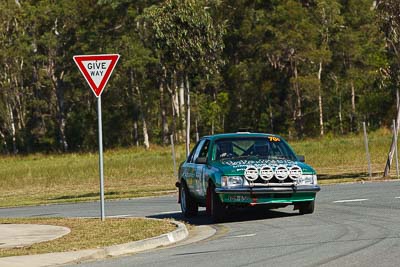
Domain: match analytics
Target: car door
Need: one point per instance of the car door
(189, 168)
(199, 179)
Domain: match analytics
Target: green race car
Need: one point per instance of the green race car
(245, 169)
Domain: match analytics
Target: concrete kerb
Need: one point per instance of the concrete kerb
(60, 258)
(163, 240)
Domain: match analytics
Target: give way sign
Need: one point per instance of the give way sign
(96, 69)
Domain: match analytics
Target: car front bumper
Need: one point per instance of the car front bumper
(268, 195)
(264, 190)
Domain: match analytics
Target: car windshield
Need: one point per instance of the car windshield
(261, 147)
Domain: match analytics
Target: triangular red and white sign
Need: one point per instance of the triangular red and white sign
(96, 69)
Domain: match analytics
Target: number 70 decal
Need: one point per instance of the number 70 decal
(274, 139)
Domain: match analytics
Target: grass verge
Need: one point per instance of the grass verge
(363, 179)
(90, 233)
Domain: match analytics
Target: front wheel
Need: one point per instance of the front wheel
(189, 206)
(217, 208)
(307, 207)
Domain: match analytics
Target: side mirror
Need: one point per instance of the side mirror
(201, 160)
(301, 158)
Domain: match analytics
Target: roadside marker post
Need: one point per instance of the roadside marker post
(395, 148)
(97, 69)
(367, 150)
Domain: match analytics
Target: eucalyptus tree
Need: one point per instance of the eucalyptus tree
(187, 41)
(254, 78)
(136, 68)
(14, 65)
(52, 31)
(328, 19)
(293, 39)
(361, 53)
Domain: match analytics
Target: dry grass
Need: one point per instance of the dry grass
(90, 233)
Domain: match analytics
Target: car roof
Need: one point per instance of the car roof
(238, 134)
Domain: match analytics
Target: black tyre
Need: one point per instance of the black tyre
(217, 209)
(307, 207)
(189, 206)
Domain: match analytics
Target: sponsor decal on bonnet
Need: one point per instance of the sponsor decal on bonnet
(241, 165)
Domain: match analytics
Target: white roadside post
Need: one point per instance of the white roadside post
(395, 148)
(367, 150)
(97, 70)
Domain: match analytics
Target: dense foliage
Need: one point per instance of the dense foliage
(293, 67)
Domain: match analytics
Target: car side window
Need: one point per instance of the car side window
(201, 150)
(204, 149)
(196, 150)
(193, 152)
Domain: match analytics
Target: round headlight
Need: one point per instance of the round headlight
(281, 172)
(266, 173)
(251, 173)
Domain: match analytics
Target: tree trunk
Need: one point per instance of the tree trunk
(175, 96)
(174, 103)
(146, 142)
(173, 119)
(182, 107)
(163, 109)
(9, 95)
(339, 92)
(58, 91)
(197, 129)
(321, 118)
(135, 133)
(61, 117)
(20, 106)
(298, 112)
(340, 115)
(145, 134)
(13, 130)
(353, 108)
(196, 121)
(188, 116)
(2, 135)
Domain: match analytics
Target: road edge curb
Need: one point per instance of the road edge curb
(175, 236)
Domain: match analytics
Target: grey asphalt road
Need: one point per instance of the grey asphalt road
(354, 225)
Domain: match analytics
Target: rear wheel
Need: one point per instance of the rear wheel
(189, 206)
(307, 207)
(217, 208)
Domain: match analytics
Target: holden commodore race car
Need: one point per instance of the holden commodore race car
(245, 169)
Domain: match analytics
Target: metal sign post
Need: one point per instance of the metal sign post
(101, 169)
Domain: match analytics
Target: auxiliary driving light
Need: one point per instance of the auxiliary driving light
(266, 173)
(251, 173)
(281, 172)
